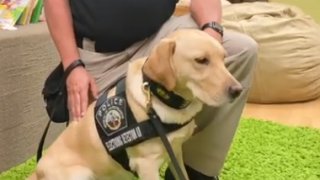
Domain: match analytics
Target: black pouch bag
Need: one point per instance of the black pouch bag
(55, 92)
(56, 97)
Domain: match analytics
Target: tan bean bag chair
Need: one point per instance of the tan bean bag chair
(183, 6)
(288, 68)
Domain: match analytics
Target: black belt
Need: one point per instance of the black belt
(79, 42)
(101, 47)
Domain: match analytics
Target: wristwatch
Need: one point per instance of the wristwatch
(213, 25)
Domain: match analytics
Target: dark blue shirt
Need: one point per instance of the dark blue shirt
(116, 24)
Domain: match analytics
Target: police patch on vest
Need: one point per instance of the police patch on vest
(111, 115)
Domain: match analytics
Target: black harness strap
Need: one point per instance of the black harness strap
(155, 120)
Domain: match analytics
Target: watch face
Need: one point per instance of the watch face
(216, 25)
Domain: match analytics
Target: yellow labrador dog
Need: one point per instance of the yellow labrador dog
(188, 63)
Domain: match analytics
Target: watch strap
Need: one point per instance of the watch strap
(72, 66)
(213, 25)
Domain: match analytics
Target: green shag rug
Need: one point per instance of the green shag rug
(268, 151)
(261, 151)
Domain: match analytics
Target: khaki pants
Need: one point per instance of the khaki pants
(206, 151)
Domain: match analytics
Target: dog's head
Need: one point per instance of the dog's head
(191, 63)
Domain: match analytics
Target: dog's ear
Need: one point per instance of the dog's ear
(158, 67)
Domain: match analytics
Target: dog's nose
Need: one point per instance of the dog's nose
(235, 91)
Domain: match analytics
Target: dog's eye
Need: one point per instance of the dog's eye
(203, 61)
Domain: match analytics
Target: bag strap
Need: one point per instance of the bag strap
(71, 67)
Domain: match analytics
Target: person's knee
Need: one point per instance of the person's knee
(250, 58)
(242, 56)
(240, 47)
(250, 53)
(250, 49)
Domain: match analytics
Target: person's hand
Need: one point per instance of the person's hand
(80, 84)
(214, 34)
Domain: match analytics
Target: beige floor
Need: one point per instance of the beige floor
(297, 114)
